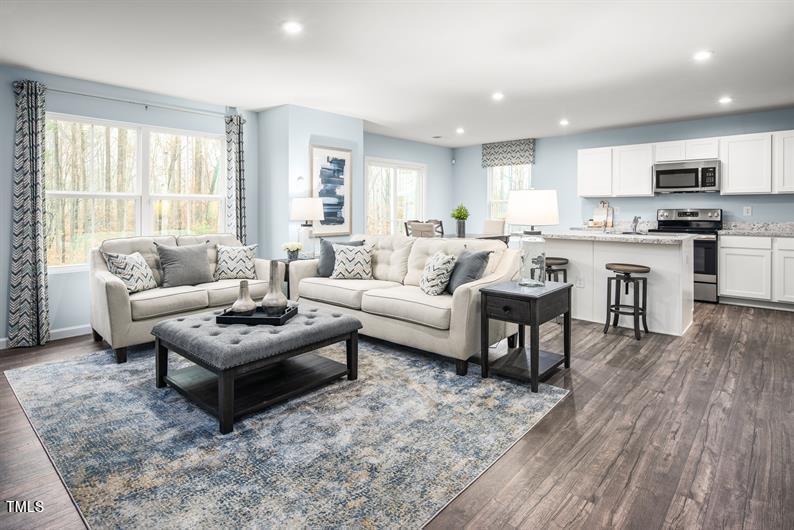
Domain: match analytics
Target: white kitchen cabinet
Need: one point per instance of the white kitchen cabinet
(594, 172)
(783, 162)
(746, 163)
(699, 148)
(669, 151)
(783, 275)
(632, 167)
(745, 273)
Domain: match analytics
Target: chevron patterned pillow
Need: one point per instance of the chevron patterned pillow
(352, 263)
(437, 272)
(236, 263)
(131, 269)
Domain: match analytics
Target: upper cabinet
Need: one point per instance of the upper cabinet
(679, 150)
(746, 164)
(594, 172)
(700, 148)
(783, 162)
(632, 166)
(670, 151)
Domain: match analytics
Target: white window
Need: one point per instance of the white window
(501, 181)
(395, 194)
(106, 179)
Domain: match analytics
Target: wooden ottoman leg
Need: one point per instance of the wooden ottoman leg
(226, 401)
(352, 356)
(161, 363)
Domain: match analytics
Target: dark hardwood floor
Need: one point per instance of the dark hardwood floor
(669, 432)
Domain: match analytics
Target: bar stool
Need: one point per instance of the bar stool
(623, 272)
(555, 266)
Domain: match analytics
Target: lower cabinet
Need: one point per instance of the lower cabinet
(746, 273)
(783, 275)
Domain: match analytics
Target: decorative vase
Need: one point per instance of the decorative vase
(292, 255)
(461, 228)
(274, 303)
(533, 260)
(244, 302)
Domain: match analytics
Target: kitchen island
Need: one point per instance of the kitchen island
(670, 282)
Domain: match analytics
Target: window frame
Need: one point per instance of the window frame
(490, 182)
(144, 200)
(394, 164)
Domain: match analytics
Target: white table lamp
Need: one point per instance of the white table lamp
(307, 210)
(532, 208)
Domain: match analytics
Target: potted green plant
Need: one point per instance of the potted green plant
(460, 214)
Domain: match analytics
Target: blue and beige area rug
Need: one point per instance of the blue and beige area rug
(387, 451)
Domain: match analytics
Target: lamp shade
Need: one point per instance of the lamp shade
(306, 209)
(532, 207)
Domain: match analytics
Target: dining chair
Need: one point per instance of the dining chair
(422, 230)
(408, 225)
(438, 226)
(493, 226)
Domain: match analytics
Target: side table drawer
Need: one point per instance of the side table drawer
(507, 309)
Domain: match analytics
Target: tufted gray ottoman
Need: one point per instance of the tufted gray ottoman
(242, 369)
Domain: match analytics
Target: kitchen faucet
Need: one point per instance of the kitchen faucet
(634, 223)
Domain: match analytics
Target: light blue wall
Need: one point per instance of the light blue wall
(555, 167)
(439, 199)
(69, 304)
(286, 134)
(471, 184)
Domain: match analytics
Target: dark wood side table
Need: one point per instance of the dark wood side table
(286, 263)
(526, 306)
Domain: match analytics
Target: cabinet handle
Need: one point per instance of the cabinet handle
(506, 309)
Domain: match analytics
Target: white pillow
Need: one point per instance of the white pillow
(437, 272)
(131, 269)
(236, 263)
(352, 263)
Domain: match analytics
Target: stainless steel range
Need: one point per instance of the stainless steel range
(703, 224)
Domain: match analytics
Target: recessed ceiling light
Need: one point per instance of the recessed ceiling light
(725, 100)
(564, 122)
(702, 55)
(459, 130)
(292, 27)
(436, 137)
(497, 96)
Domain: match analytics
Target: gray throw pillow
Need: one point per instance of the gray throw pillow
(187, 265)
(468, 267)
(328, 257)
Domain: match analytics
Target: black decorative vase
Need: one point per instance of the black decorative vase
(461, 228)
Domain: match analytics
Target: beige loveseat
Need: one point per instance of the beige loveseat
(392, 307)
(125, 319)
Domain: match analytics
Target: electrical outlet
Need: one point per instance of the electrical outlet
(748, 211)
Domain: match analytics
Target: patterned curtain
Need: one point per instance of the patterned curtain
(509, 153)
(28, 314)
(235, 176)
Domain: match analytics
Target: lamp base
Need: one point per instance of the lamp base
(530, 282)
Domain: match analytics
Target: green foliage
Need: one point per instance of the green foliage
(461, 213)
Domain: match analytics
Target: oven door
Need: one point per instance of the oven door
(705, 269)
(670, 179)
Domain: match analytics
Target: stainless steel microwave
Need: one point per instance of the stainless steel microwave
(681, 177)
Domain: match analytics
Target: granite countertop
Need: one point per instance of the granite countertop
(756, 233)
(611, 237)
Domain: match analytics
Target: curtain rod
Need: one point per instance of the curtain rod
(143, 103)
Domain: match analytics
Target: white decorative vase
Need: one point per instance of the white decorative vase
(274, 303)
(244, 302)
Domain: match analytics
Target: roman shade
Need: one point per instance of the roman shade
(510, 153)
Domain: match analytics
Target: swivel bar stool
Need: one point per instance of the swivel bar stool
(555, 266)
(623, 273)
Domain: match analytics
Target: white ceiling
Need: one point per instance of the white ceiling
(418, 69)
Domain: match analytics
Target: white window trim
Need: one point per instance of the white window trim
(392, 162)
(144, 200)
(490, 202)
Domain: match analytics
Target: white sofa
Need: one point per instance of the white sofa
(125, 319)
(392, 307)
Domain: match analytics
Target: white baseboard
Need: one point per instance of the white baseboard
(763, 304)
(55, 334)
